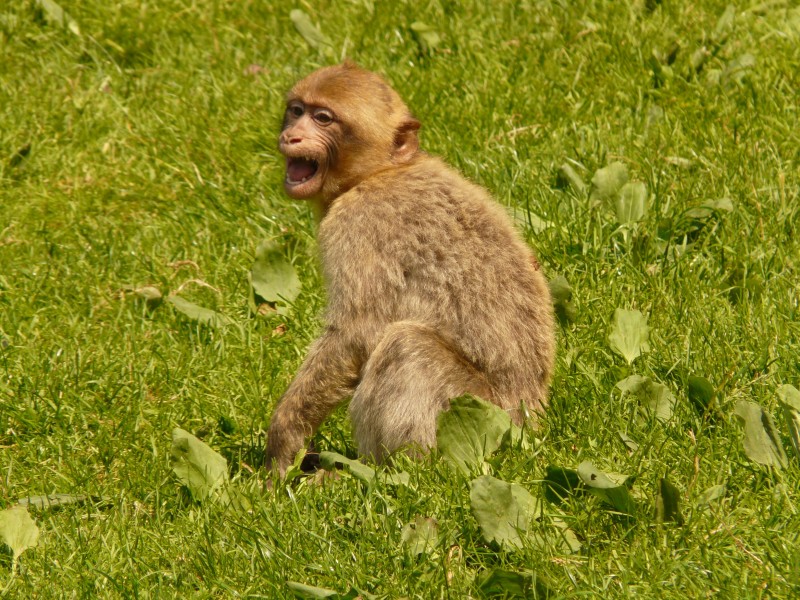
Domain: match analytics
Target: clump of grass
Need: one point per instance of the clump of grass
(139, 151)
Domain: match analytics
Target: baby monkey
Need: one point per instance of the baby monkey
(431, 292)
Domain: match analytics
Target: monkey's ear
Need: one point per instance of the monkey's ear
(406, 142)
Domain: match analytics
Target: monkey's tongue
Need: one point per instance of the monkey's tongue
(300, 169)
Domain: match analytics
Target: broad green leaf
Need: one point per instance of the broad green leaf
(608, 181)
(561, 293)
(701, 393)
(197, 466)
(790, 402)
(151, 294)
(744, 283)
(537, 223)
(426, 36)
(708, 209)
(658, 401)
(273, 277)
(668, 503)
(501, 583)
(310, 32)
(632, 203)
(469, 431)
(560, 483)
(568, 176)
(629, 442)
(699, 58)
(197, 313)
(736, 69)
(654, 397)
(724, 24)
(527, 218)
(18, 531)
(398, 478)
(569, 540)
(503, 510)
(58, 15)
(59, 500)
(715, 492)
(301, 590)
(421, 535)
(679, 161)
(631, 384)
(629, 334)
(613, 491)
(761, 440)
(333, 460)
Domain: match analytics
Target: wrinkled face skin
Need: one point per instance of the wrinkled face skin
(308, 141)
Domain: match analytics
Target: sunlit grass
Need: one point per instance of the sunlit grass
(142, 152)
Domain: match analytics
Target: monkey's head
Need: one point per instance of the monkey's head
(342, 125)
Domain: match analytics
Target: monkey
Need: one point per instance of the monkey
(431, 292)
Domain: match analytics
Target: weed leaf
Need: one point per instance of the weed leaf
(712, 494)
(630, 444)
(736, 70)
(503, 510)
(561, 293)
(654, 397)
(151, 295)
(567, 176)
(273, 277)
(668, 503)
(607, 181)
(559, 483)
(501, 583)
(631, 203)
(197, 313)
(301, 590)
(790, 402)
(426, 36)
(331, 461)
(420, 535)
(58, 15)
(53, 501)
(527, 218)
(701, 393)
(18, 531)
(708, 209)
(761, 441)
(310, 32)
(612, 491)
(470, 431)
(198, 467)
(724, 24)
(629, 334)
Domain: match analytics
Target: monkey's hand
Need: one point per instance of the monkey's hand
(285, 438)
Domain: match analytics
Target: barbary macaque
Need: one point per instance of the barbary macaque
(432, 293)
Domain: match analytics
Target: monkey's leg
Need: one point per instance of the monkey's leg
(406, 382)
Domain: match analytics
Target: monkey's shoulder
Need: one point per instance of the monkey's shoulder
(426, 193)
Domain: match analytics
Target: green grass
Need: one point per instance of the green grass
(142, 152)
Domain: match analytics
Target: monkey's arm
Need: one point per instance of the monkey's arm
(328, 375)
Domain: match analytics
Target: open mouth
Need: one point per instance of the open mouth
(300, 169)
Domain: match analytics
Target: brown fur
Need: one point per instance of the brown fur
(431, 291)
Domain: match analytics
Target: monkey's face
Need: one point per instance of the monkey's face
(308, 141)
(342, 125)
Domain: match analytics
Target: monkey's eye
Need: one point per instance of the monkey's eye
(296, 110)
(323, 117)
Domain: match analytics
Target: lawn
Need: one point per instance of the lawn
(650, 153)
